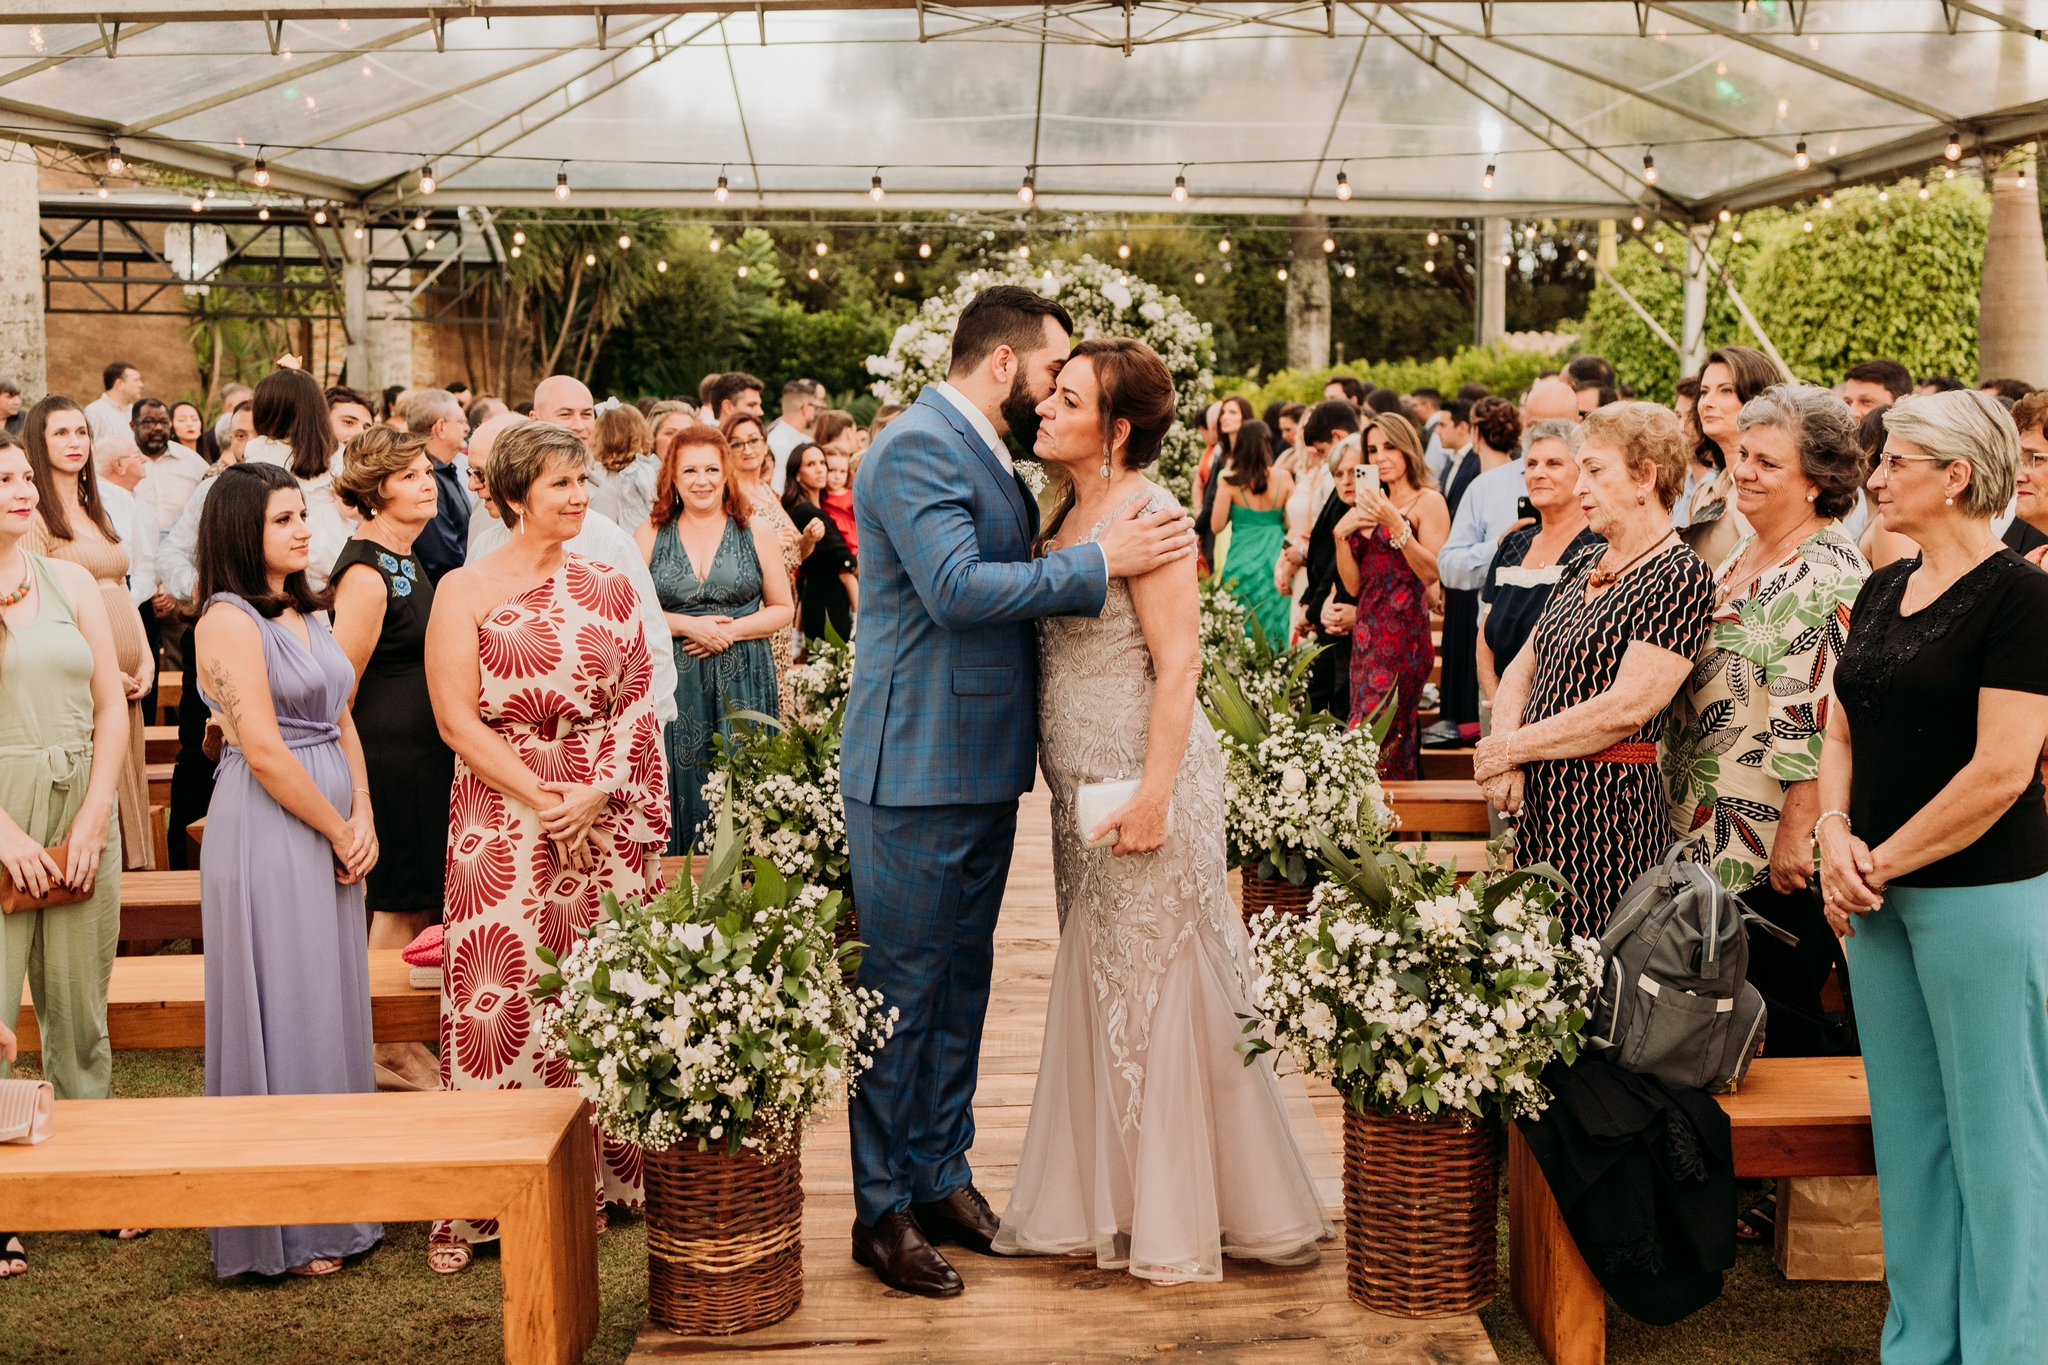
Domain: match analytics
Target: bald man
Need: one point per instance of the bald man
(600, 541)
(1487, 511)
(567, 403)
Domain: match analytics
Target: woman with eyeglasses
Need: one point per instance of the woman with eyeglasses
(2028, 534)
(1933, 841)
(746, 442)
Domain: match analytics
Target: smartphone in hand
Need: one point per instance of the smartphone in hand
(1525, 510)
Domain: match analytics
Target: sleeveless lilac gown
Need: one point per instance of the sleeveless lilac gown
(287, 946)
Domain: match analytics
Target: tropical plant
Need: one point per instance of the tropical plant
(572, 282)
(714, 1011)
(1413, 995)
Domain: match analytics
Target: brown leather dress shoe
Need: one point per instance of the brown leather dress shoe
(962, 1217)
(897, 1252)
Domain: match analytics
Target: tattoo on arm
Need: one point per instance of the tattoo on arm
(223, 689)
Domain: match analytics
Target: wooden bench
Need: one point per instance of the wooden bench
(159, 782)
(159, 905)
(521, 1156)
(170, 690)
(1438, 807)
(1793, 1116)
(1447, 765)
(160, 743)
(158, 1002)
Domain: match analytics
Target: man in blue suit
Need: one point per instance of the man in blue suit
(941, 737)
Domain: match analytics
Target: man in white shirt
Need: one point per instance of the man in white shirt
(110, 414)
(601, 541)
(802, 401)
(174, 470)
(567, 403)
(726, 394)
(124, 484)
(1487, 511)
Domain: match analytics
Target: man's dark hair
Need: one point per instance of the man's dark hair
(8, 385)
(1940, 383)
(1588, 372)
(1435, 396)
(342, 393)
(1688, 387)
(1896, 379)
(728, 389)
(1460, 410)
(111, 375)
(1385, 400)
(1002, 315)
(1608, 393)
(1351, 387)
(1327, 420)
(2011, 390)
(1472, 393)
(391, 399)
(135, 408)
(458, 387)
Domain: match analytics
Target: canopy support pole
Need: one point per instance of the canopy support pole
(1692, 356)
(1492, 279)
(1655, 326)
(1308, 294)
(1748, 318)
(355, 296)
(23, 342)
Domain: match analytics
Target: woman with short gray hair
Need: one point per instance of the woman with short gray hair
(1934, 863)
(1742, 742)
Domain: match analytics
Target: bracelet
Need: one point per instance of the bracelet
(1401, 543)
(364, 790)
(1823, 819)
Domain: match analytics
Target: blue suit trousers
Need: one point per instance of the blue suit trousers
(928, 884)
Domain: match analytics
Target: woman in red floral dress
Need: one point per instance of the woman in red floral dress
(541, 684)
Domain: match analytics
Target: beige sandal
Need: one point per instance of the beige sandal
(319, 1265)
(447, 1254)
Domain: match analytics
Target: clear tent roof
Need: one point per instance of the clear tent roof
(1258, 105)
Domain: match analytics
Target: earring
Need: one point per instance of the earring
(1105, 463)
(1641, 500)
(1948, 502)
(522, 523)
(1811, 496)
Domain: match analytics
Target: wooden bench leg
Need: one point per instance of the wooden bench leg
(1553, 1288)
(548, 1249)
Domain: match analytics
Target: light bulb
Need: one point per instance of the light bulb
(198, 205)
(1807, 226)
(720, 192)
(419, 222)
(518, 239)
(1486, 181)
(1649, 169)
(1948, 173)
(1827, 201)
(715, 242)
(1738, 236)
(743, 272)
(1024, 252)
(103, 194)
(426, 179)
(1799, 157)
(1329, 245)
(1923, 192)
(1281, 273)
(2023, 179)
(561, 184)
(1201, 277)
(1529, 232)
(1431, 237)
(820, 247)
(1350, 271)
(1224, 245)
(210, 191)
(1027, 191)
(1123, 251)
(1884, 196)
(1954, 150)
(924, 250)
(875, 187)
(115, 162)
(1343, 185)
(260, 177)
(1180, 189)
(1726, 215)
(661, 267)
(899, 277)
(1429, 267)
(1582, 253)
(625, 242)
(262, 211)
(1636, 222)
(590, 258)
(319, 217)
(515, 253)
(358, 234)
(814, 272)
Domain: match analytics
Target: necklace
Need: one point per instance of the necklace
(1603, 578)
(28, 583)
(1734, 587)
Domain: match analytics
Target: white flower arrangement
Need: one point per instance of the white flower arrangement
(1292, 781)
(782, 787)
(820, 683)
(713, 1011)
(1411, 994)
(1222, 634)
(1103, 301)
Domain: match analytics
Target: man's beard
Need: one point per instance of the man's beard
(153, 446)
(1020, 411)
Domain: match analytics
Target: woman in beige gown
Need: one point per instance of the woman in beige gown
(72, 524)
(748, 442)
(1152, 1145)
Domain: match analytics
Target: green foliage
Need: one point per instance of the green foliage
(572, 283)
(1498, 368)
(1895, 278)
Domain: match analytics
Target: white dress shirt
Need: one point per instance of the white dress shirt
(1484, 515)
(602, 542)
(108, 420)
(782, 438)
(172, 477)
(329, 522)
(136, 525)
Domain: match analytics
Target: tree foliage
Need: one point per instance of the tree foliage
(1501, 370)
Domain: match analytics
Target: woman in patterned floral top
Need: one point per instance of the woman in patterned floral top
(1742, 743)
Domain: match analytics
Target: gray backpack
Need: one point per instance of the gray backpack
(1675, 1001)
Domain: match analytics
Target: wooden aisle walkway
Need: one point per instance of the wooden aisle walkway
(1022, 1312)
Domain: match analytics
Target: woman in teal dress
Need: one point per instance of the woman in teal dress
(721, 617)
(1251, 500)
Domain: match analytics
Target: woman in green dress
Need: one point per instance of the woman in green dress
(1251, 500)
(63, 744)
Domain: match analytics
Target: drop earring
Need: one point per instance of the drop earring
(1105, 463)
(522, 523)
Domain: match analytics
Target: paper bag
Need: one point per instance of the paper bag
(27, 1109)
(1828, 1228)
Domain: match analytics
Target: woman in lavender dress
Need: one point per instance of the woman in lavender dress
(281, 893)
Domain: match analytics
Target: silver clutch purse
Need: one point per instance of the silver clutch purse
(1095, 802)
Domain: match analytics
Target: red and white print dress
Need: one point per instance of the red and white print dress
(565, 678)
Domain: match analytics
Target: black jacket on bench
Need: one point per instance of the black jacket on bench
(1645, 1176)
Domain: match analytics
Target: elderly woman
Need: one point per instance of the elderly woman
(1934, 861)
(542, 685)
(2028, 533)
(1742, 743)
(1573, 752)
(1529, 562)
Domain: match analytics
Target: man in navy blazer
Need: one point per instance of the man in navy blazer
(941, 737)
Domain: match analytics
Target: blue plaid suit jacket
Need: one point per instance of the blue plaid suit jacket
(944, 705)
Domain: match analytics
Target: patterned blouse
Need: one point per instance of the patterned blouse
(1750, 720)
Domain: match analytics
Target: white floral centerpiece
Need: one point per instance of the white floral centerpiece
(1290, 777)
(1222, 632)
(714, 1012)
(1413, 995)
(1104, 301)
(822, 681)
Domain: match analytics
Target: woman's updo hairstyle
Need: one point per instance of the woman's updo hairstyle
(1498, 422)
(373, 455)
(1131, 383)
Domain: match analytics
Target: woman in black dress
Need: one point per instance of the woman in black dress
(1530, 561)
(828, 584)
(382, 599)
(1576, 721)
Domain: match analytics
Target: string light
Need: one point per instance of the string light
(1657, 247)
(1201, 277)
(1827, 201)
(661, 267)
(1649, 168)
(1884, 196)
(1738, 236)
(1350, 271)
(103, 189)
(814, 272)
(716, 242)
(1429, 266)
(260, 177)
(743, 272)
(875, 187)
(1123, 250)
(1582, 253)
(320, 217)
(419, 222)
(1948, 173)
(2023, 182)
(1224, 245)
(357, 234)
(924, 250)
(562, 183)
(1954, 150)
(115, 162)
(590, 258)
(209, 191)
(1281, 273)
(1486, 181)
(427, 178)
(1028, 191)
(1329, 245)
(198, 204)
(1800, 159)
(1923, 193)
(1529, 232)
(1807, 226)
(820, 247)
(1432, 238)
(515, 253)
(1343, 185)
(262, 210)
(1180, 188)
(899, 277)
(625, 242)
(1726, 215)
(720, 193)
(519, 239)
(1024, 252)
(1636, 222)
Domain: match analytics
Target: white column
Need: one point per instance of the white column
(355, 300)
(22, 347)
(1692, 332)
(1308, 295)
(1493, 280)
(2012, 342)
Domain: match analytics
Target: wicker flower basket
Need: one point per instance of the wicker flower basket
(1420, 1213)
(1276, 893)
(724, 1240)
